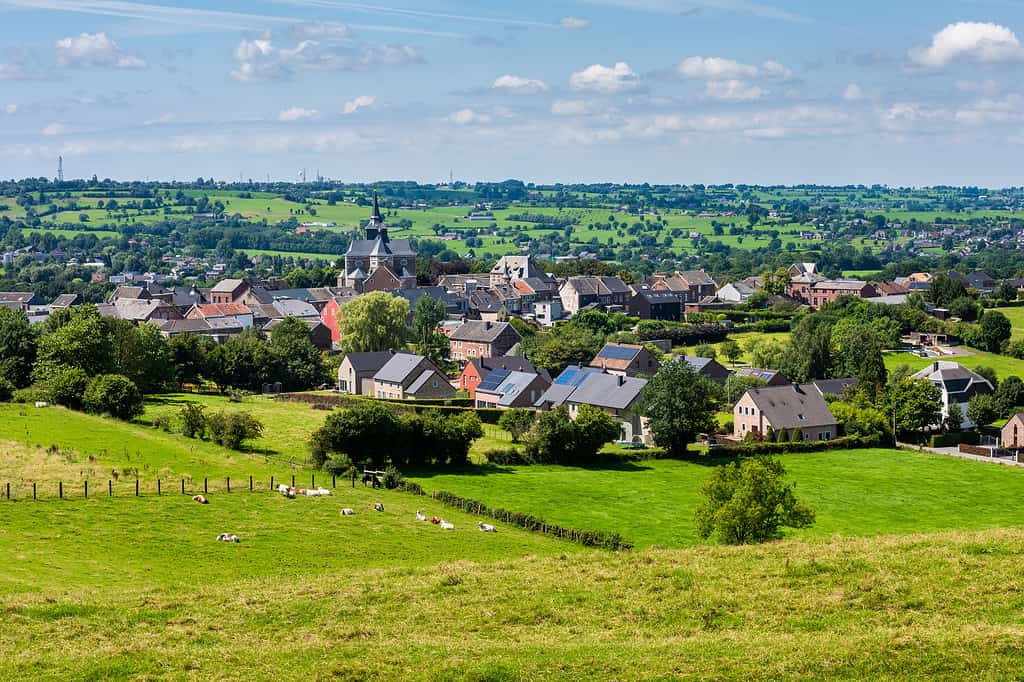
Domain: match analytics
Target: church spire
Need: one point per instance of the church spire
(376, 209)
(375, 229)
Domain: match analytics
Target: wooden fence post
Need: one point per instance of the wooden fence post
(334, 481)
(250, 484)
(110, 488)
(183, 486)
(312, 481)
(86, 489)
(158, 487)
(136, 487)
(205, 487)
(271, 482)
(293, 480)
(8, 491)
(33, 490)
(60, 489)
(229, 483)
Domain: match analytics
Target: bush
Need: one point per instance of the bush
(746, 449)
(66, 386)
(6, 390)
(193, 420)
(747, 502)
(163, 422)
(115, 395)
(339, 465)
(392, 478)
(506, 456)
(231, 429)
(31, 394)
(517, 422)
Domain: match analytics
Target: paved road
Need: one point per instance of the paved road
(955, 452)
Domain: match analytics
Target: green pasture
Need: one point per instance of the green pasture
(1003, 365)
(1016, 316)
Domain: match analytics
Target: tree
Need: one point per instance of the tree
(747, 502)
(232, 429)
(81, 343)
(140, 353)
(374, 322)
(66, 386)
(705, 350)
(917, 406)
(945, 290)
(982, 409)
(17, 347)
(364, 433)
(731, 350)
(429, 313)
(989, 373)
(995, 330)
(679, 403)
(115, 395)
(809, 355)
(193, 420)
(551, 439)
(300, 364)
(517, 422)
(190, 354)
(244, 361)
(1006, 292)
(857, 353)
(556, 349)
(1010, 395)
(964, 307)
(766, 353)
(594, 428)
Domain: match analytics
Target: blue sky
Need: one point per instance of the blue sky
(904, 93)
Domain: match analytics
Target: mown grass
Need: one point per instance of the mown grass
(944, 607)
(854, 492)
(1003, 365)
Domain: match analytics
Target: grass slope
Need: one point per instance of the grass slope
(943, 607)
(855, 492)
(1003, 365)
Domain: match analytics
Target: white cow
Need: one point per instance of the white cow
(447, 526)
(348, 512)
(487, 528)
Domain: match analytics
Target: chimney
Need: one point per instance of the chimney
(622, 380)
(935, 366)
(487, 324)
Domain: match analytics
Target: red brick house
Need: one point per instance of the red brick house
(482, 339)
(478, 369)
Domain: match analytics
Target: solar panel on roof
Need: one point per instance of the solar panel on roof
(617, 353)
(568, 377)
(493, 380)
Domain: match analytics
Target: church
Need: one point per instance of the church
(379, 263)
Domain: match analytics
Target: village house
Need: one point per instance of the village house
(236, 311)
(355, 374)
(767, 411)
(482, 339)
(708, 367)
(626, 359)
(650, 304)
(477, 369)
(619, 396)
(19, 300)
(139, 310)
(771, 377)
(605, 292)
(511, 269)
(1012, 435)
(737, 292)
(958, 385)
(692, 285)
(505, 389)
(411, 377)
(229, 291)
(817, 293)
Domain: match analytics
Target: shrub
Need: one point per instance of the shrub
(115, 395)
(747, 502)
(506, 456)
(31, 394)
(231, 429)
(339, 465)
(517, 422)
(163, 422)
(392, 478)
(193, 420)
(66, 386)
(6, 390)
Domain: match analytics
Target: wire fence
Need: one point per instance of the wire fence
(147, 487)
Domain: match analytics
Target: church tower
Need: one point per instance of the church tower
(376, 227)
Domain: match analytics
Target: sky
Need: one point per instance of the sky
(908, 93)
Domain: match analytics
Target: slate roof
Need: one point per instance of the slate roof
(372, 247)
(792, 406)
(64, 301)
(402, 367)
(479, 331)
(608, 391)
(291, 307)
(227, 286)
(510, 387)
(21, 297)
(368, 362)
(696, 278)
(958, 382)
(835, 386)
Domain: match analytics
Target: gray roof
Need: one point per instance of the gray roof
(696, 278)
(597, 285)
(606, 390)
(227, 286)
(401, 368)
(511, 388)
(556, 395)
(792, 406)
(369, 247)
(513, 363)
(368, 362)
(479, 331)
(64, 301)
(958, 382)
(835, 386)
(423, 378)
(291, 307)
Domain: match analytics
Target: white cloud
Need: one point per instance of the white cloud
(361, 102)
(569, 107)
(53, 129)
(854, 93)
(519, 85)
(718, 68)
(713, 68)
(986, 111)
(574, 22)
(162, 119)
(465, 117)
(770, 123)
(969, 41)
(259, 59)
(733, 90)
(11, 109)
(606, 79)
(297, 114)
(11, 72)
(985, 87)
(320, 31)
(95, 49)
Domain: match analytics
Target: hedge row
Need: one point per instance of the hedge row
(765, 326)
(753, 449)
(488, 415)
(688, 334)
(948, 440)
(587, 538)
(341, 398)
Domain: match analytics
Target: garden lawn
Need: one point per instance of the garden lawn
(855, 493)
(1003, 365)
(1016, 316)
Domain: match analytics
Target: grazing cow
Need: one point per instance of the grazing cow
(348, 512)
(371, 479)
(201, 499)
(487, 528)
(286, 491)
(435, 520)
(447, 526)
(228, 537)
(420, 516)
(378, 506)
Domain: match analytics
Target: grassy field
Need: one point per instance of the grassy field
(942, 607)
(1003, 365)
(1016, 316)
(855, 492)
